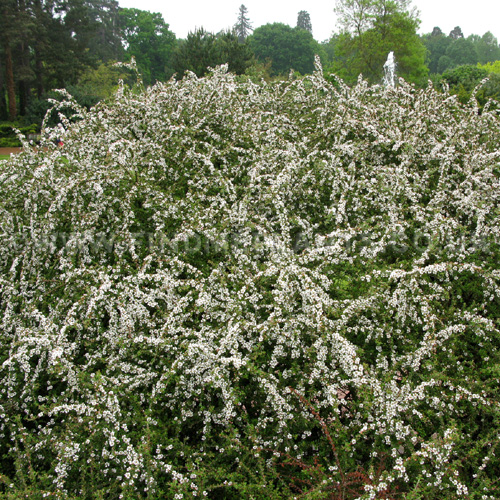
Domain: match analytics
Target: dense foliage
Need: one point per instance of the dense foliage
(369, 31)
(233, 290)
(447, 52)
(287, 48)
(202, 50)
(148, 39)
(72, 44)
(480, 81)
(46, 44)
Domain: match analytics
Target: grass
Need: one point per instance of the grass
(4, 157)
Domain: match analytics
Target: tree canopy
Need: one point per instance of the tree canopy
(287, 48)
(147, 38)
(48, 44)
(447, 52)
(370, 29)
(202, 50)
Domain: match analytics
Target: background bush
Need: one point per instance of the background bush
(8, 136)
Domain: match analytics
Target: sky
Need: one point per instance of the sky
(476, 17)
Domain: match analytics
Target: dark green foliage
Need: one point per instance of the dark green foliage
(490, 90)
(52, 44)
(462, 51)
(95, 24)
(49, 43)
(148, 39)
(456, 33)
(464, 79)
(467, 75)
(8, 137)
(444, 63)
(446, 52)
(202, 50)
(287, 48)
(436, 44)
(487, 48)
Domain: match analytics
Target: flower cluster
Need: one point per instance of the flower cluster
(364, 279)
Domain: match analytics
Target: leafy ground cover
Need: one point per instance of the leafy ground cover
(237, 290)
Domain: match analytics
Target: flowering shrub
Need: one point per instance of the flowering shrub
(229, 290)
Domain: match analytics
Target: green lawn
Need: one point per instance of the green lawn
(4, 157)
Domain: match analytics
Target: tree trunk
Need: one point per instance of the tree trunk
(40, 40)
(38, 72)
(23, 97)
(3, 102)
(11, 88)
(24, 76)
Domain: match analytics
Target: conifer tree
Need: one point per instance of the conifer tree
(304, 21)
(243, 27)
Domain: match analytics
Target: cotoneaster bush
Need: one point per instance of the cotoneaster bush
(233, 290)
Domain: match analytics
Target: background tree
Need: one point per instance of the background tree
(467, 75)
(202, 49)
(445, 62)
(370, 29)
(16, 29)
(436, 44)
(100, 83)
(3, 101)
(60, 55)
(287, 48)
(328, 47)
(304, 21)
(463, 79)
(95, 26)
(487, 48)
(48, 43)
(243, 27)
(147, 38)
(229, 49)
(456, 33)
(462, 51)
(195, 53)
(445, 52)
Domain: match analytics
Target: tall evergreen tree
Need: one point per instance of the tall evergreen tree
(46, 44)
(13, 33)
(95, 24)
(3, 101)
(243, 27)
(304, 21)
